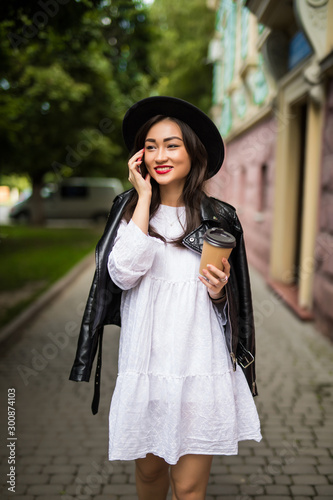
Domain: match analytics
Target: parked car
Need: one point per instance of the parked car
(73, 198)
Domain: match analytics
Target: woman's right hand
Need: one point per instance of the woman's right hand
(142, 185)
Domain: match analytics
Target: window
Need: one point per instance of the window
(68, 192)
(263, 188)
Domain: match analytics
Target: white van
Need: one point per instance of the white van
(73, 198)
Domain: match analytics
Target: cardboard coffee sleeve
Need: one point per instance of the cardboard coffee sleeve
(216, 245)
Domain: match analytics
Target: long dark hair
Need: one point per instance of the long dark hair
(193, 188)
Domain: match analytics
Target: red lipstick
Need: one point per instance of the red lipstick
(163, 169)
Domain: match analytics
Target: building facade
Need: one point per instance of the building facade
(273, 103)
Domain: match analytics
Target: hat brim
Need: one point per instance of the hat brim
(173, 107)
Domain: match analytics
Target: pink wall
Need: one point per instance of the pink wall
(246, 181)
(243, 183)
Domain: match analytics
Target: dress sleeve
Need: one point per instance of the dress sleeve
(222, 312)
(131, 256)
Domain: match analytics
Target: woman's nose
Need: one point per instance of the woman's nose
(161, 155)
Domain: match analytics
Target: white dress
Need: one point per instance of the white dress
(176, 392)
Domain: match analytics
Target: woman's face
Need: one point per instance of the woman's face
(166, 158)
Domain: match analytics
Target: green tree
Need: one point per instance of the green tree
(69, 71)
(179, 55)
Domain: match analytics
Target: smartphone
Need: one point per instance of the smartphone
(142, 167)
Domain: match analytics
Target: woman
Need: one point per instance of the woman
(178, 399)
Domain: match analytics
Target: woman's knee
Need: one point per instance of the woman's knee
(151, 468)
(189, 477)
(187, 490)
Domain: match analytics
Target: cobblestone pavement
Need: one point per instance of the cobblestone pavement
(61, 448)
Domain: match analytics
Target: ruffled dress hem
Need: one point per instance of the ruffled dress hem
(214, 451)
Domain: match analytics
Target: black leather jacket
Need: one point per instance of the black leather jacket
(103, 304)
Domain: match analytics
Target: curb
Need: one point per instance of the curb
(50, 294)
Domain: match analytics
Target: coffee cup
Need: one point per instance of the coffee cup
(217, 244)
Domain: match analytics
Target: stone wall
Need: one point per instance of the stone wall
(246, 181)
(323, 280)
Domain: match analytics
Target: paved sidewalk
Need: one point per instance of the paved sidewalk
(61, 448)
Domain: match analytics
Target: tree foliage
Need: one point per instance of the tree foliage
(179, 55)
(69, 71)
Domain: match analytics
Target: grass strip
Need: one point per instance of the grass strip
(33, 257)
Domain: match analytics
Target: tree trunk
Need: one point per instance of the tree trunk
(37, 206)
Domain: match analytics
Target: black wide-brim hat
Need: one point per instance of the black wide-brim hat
(173, 107)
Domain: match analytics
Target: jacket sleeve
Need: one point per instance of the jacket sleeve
(131, 256)
(87, 344)
(246, 323)
(240, 308)
(246, 326)
(103, 303)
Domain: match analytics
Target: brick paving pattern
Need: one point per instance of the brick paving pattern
(61, 448)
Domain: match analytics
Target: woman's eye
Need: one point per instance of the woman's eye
(150, 147)
(173, 146)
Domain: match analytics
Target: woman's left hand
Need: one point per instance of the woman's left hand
(217, 281)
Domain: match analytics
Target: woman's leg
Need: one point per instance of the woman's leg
(152, 478)
(189, 477)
